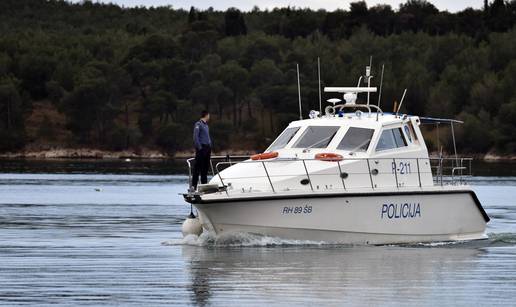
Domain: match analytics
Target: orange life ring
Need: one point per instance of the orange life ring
(265, 156)
(327, 156)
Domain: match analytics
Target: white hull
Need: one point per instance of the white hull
(350, 218)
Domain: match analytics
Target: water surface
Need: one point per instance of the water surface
(97, 233)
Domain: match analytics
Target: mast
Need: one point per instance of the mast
(368, 76)
(299, 93)
(319, 75)
(380, 93)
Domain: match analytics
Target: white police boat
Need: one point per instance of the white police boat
(362, 177)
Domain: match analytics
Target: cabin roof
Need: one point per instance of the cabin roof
(351, 119)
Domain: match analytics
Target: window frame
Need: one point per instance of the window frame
(408, 135)
(279, 136)
(413, 134)
(401, 133)
(306, 129)
(371, 138)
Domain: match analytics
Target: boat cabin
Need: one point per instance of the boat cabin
(352, 135)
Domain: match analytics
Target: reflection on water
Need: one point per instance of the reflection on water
(355, 275)
(277, 271)
(94, 238)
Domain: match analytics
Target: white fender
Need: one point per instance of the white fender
(191, 226)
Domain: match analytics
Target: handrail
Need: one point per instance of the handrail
(418, 173)
(226, 157)
(268, 177)
(369, 171)
(458, 168)
(188, 161)
(341, 107)
(455, 174)
(340, 175)
(308, 176)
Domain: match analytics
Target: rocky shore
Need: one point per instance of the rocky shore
(90, 153)
(495, 157)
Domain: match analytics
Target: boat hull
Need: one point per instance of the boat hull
(351, 218)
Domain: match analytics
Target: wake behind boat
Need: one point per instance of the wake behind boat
(362, 177)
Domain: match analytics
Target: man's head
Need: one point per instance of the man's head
(205, 116)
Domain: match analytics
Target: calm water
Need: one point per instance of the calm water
(108, 233)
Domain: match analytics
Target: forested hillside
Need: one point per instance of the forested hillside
(108, 77)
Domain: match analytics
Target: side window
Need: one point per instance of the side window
(413, 133)
(316, 137)
(283, 139)
(390, 139)
(356, 139)
(398, 137)
(407, 133)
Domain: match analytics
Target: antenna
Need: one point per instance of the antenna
(401, 101)
(319, 75)
(299, 93)
(381, 85)
(380, 93)
(368, 76)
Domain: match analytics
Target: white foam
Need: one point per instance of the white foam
(250, 240)
(238, 240)
(443, 243)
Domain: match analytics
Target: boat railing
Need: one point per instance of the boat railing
(451, 170)
(378, 172)
(232, 159)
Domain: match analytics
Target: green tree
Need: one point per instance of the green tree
(86, 108)
(234, 23)
(170, 137)
(506, 127)
(416, 14)
(35, 71)
(94, 104)
(486, 94)
(499, 17)
(474, 135)
(12, 132)
(236, 78)
(164, 105)
(174, 78)
(154, 47)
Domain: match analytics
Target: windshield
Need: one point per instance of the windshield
(316, 137)
(283, 139)
(356, 139)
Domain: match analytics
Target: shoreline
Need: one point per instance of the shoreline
(154, 154)
(99, 154)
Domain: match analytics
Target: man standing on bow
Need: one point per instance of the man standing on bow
(202, 142)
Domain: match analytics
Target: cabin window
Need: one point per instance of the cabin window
(407, 133)
(284, 138)
(316, 137)
(413, 134)
(356, 139)
(390, 139)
